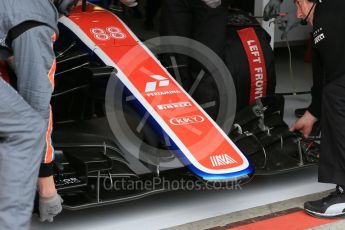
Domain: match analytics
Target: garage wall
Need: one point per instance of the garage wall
(296, 36)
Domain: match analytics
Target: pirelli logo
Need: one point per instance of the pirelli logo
(223, 159)
(174, 105)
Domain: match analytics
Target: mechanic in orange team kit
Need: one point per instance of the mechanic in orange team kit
(28, 29)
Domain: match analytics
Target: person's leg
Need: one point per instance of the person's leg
(151, 9)
(209, 28)
(149, 14)
(176, 20)
(35, 67)
(21, 145)
(332, 156)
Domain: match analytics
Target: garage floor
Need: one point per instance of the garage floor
(178, 208)
(212, 208)
(283, 215)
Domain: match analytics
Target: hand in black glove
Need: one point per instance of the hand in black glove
(65, 6)
(272, 9)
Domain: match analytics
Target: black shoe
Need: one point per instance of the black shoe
(331, 206)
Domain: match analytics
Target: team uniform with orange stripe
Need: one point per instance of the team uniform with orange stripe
(28, 29)
(46, 168)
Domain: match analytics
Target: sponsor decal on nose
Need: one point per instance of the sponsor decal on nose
(187, 120)
(174, 105)
(223, 159)
(161, 82)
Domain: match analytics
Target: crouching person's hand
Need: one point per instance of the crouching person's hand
(49, 207)
(304, 124)
(49, 202)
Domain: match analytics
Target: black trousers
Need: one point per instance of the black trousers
(332, 157)
(151, 9)
(195, 20)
